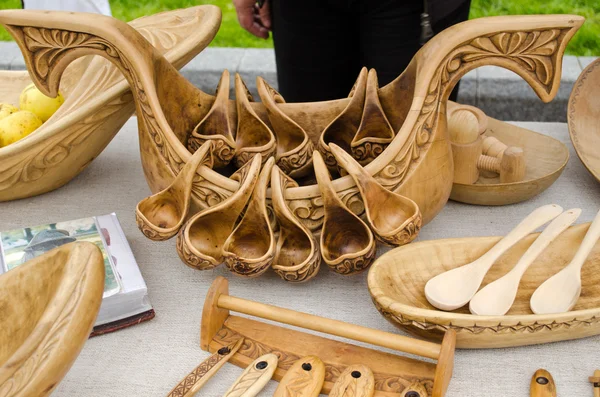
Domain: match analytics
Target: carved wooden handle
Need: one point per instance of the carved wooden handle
(542, 384)
(254, 378)
(304, 379)
(203, 372)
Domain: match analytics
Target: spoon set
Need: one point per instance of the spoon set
(455, 288)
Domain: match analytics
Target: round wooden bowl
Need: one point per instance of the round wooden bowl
(397, 282)
(49, 306)
(584, 118)
(545, 160)
(98, 102)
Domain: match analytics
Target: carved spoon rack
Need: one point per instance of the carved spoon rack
(394, 374)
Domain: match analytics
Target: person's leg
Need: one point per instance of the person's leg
(315, 48)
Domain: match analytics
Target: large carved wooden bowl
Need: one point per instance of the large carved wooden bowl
(397, 284)
(98, 103)
(48, 307)
(416, 164)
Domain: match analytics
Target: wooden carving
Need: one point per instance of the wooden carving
(49, 306)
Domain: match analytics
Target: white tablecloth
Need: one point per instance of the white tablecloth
(150, 358)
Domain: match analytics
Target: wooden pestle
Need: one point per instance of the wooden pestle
(468, 148)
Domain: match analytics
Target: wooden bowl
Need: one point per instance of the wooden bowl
(545, 160)
(397, 281)
(98, 102)
(584, 118)
(49, 306)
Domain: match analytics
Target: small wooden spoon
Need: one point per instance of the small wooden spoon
(394, 219)
(496, 298)
(304, 378)
(417, 389)
(355, 381)
(560, 292)
(254, 378)
(347, 244)
(542, 384)
(249, 249)
(161, 215)
(455, 288)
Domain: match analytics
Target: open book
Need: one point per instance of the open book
(125, 301)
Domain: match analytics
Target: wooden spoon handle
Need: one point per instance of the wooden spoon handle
(595, 381)
(542, 384)
(305, 378)
(203, 372)
(254, 378)
(355, 381)
(589, 241)
(534, 220)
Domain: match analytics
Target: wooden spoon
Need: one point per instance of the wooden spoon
(496, 298)
(347, 244)
(304, 378)
(417, 389)
(455, 288)
(297, 257)
(355, 381)
(192, 383)
(254, 378)
(249, 249)
(560, 292)
(161, 215)
(394, 219)
(542, 384)
(200, 241)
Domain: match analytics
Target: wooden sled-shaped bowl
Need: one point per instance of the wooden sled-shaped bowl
(397, 282)
(97, 104)
(49, 306)
(393, 373)
(584, 118)
(545, 160)
(416, 164)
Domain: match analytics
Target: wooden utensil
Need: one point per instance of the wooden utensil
(193, 382)
(560, 292)
(304, 379)
(415, 390)
(249, 249)
(496, 298)
(254, 378)
(595, 380)
(161, 215)
(355, 381)
(297, 257)
(394, 219)
(200, 241)
(347, 244)
(542, 384)
(455, 288)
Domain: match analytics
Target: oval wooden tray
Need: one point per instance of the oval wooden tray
(397, 281)
(584, 118)
(545, 160)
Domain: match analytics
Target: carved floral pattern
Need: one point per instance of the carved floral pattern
(408, 234)
(296, 159)
(150, 232)
(188, 257)
(193, 377)
(368, 151)
(355, 265)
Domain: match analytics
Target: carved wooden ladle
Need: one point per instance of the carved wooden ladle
(347, 243)
(200, 241)
(393, 218)
(294, 147)
(249, 249)
(161, 215)
(297, 257)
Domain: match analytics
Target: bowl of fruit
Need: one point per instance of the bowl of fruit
(45, 142)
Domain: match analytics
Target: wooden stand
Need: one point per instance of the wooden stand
(393, 373)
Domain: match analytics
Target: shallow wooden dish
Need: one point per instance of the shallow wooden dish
(584, 118)
(545, 160)
(48, 307)
(397, 281)
(98, 103)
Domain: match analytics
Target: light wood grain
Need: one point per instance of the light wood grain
(542, 384)
(595, 380)
(355, 381)
(304, 379)
(254, 378)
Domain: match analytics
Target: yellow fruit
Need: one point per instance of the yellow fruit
(33, 100)
(7, 109)
(17, 126)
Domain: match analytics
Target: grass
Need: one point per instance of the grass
(586, 41)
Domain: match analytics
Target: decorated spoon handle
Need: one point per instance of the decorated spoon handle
(542, 384)
(534, 220)
(203, 372)
(589, 241)
(355, 381)
(304, 378)
(254, 378)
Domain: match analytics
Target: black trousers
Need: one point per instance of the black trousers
(321, 45)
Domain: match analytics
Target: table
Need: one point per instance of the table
(150, 358)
